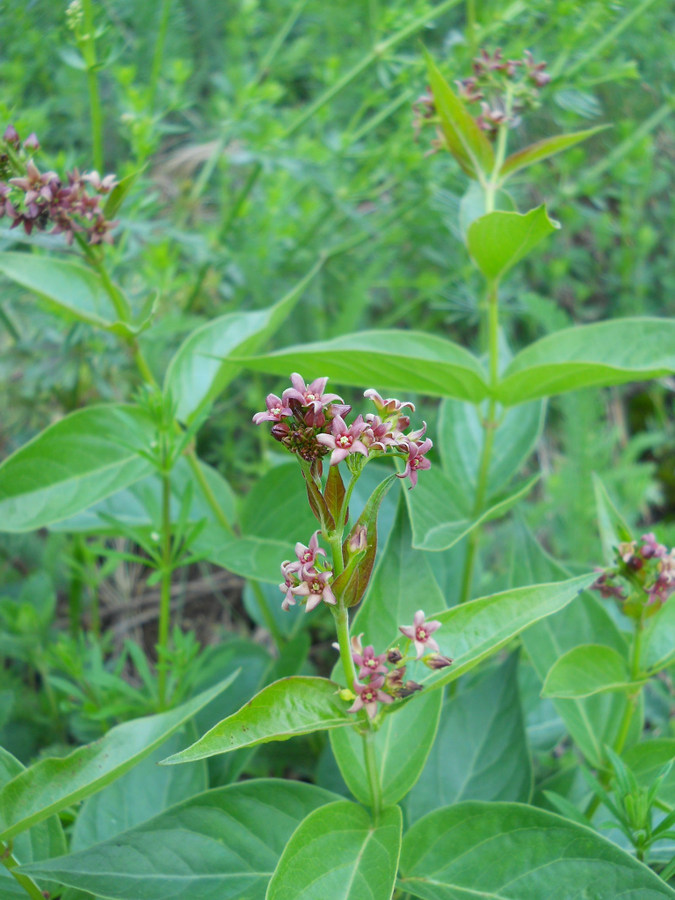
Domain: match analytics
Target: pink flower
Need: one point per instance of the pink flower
(369, 695)
(369, 663)
(275, 412)
(420, 632)
(416, 460)
(316, 588)
(287, 586)
(343, 440)
(307, 555)
(386, 408)
(309, 395)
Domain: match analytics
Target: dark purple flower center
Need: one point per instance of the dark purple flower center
(421, 634)
(368, 696)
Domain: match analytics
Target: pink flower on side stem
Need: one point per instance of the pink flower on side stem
(420, 632)
(368, 696)
(369, 663)
(343, 441)
(310, 395)
(416, 460)
(275, 412)
(287, 586)
(307, 555)
(316, 588)
(386, 408)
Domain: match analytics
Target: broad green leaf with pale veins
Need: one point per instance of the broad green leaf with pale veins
(498, 240)
(52, 784)
(590, 356)
(85, 457)
(338, 853)
(296, 705)
(424, 364)
(506, 851)
(586, 670)
(220, 845)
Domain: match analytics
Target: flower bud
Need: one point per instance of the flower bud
(31, 142)
(409, 688)
(11, 135)
(358, 540)
(394, 656)
(437, 661)
(346, 694)
(280, 431)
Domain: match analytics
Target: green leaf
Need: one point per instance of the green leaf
(499, 240)
(594, 721)
(70, 290)
(40, 842)
(612, 526)
(590, 356)
(586, 670)
(250, 557)
(291, 706)
(647, 759)
(220, 845)
(467, 143)
(473, 631)
(491, 760)
(339, 852)
(119, 193)
(401, 745)
(52, 784)
(425, 363)
(512, 852)
(279, 496)
(658, 649)
(202, 367)
(438, 519)
(402, 576)
(137, 796)
(73, 464)
(460, 438)
(543, 149)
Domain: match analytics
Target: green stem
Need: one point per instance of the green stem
(608, 37)
(471, 25)
(88, 47)
(341, 616)
(10, 862)
(489, 427)
(159, 53)
(335, 541)
(372, 774)
(165, 591)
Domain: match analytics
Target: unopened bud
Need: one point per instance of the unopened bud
(358, 540)
(280, 431)
(437, 661)
(394, 656)
(31, 142)
(346, 694)
(409, 688)
(11, 135)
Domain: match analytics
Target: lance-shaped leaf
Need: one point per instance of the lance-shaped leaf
(291, 706)
(401, 746)
(52, 784)
(202, 366)
(467, 143)
(658, 649)
(586, 670)
(648, 760)
(352, 583)
(119, 193)
(220, 845)
(425, 363)
(521, 159)
(338, 851)
(499, 240)
(532, 854)
(68, 289)
(612, 526)
(475, 630)
(73, 464)
(590, 356)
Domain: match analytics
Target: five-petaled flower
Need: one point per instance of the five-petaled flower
(343, 441)
(369, 663)
(310, 395)
(307, 554)
(275, 412)
(369, 695)
(420, 632)
(316, 587)
(416, 460)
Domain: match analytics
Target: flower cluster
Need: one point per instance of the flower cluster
(38, 200)
(312, 423)
(643, 577)
(306, 577)
(504, 88)
(385, 684)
